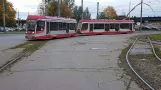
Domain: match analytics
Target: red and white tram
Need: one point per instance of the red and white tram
(46, 27)
(97, 27)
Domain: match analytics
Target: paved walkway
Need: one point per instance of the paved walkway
(79, 63)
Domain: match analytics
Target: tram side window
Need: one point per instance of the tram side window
(98, 26)
(60, 26)
(112, 26)
(72, 26)
(124, 26)
(68, 25)
(54, 26)
(85, 26)
(64, 26)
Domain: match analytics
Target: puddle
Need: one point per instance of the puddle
(98, 48)
(79, 43)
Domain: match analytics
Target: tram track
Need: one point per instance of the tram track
(27, 49)
(13, 60)
(132, 66)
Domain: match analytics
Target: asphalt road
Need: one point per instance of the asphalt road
(10, 40)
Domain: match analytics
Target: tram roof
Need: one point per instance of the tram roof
(105, 20)
(36, 17)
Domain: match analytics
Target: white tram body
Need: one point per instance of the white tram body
(46, 27)
(91, 27)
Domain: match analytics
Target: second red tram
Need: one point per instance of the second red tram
(94, 27)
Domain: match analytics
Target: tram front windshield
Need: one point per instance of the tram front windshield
(31, 25)
(40, 25)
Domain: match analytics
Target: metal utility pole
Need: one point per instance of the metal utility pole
(129, 8)
(141, 20)
(46, 2)
(82, 9)
(18, 18)
(129, 11)
(97, 10)
(3, 15)
(58, 8)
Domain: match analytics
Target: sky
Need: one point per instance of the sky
(26, 7)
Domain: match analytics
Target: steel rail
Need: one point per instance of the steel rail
(154, 50)
(12, 61)
(127, 59)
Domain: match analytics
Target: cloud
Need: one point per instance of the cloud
(25, 5)
(121, 6)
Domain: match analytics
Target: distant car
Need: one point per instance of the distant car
(145, 28)
(1, 29)
(20, 28)
(155, 28)
(159, 27)
(137, 27)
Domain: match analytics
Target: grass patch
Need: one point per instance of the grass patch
(158, 52)
(156, 37)
(139, 36)
(150, 57)
(31, 46)
(17, 32)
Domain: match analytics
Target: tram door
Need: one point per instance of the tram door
(107, 27)
(91, 27)
(130, 26)
(48, 28)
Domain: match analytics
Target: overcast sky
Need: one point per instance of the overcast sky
(121, 6)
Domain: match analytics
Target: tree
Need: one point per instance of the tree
(41, 9)
(102, 16)
(110, 12)
(10, 14)
(52, 10)
(86, 14)
(77, 11)
(70, 4)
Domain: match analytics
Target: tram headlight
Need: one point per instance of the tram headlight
(33, 32)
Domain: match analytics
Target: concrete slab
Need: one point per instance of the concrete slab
(62, 80)
(7, 55)
(71, 64)
(140, 44)
(141, 51)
